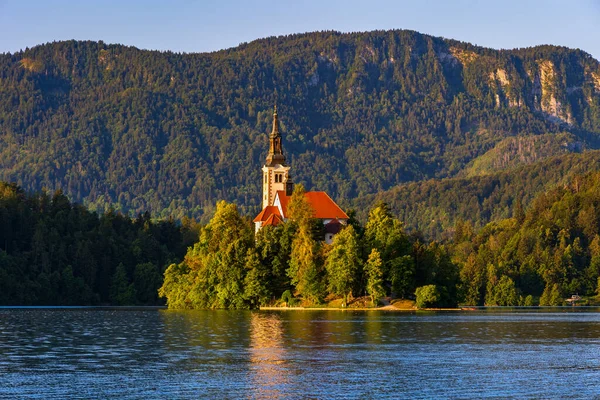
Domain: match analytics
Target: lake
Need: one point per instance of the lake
(124, 353)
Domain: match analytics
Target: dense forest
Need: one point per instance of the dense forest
(167, 133)
(54, 252)
(550, 252)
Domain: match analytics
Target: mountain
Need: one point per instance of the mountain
(114, 126)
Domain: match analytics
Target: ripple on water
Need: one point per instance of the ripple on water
(167, 354)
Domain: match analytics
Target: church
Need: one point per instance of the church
(278, 187)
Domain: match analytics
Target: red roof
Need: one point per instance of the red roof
(283, 200)
(324, 206)
(273, 220)
(267, 212)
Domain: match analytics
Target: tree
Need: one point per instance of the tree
(502, 293)
(427, 296)
(472, 276)
(146, 279)
(256, 281)
(386, 234)
(274, 246)
(402, 270)
(215, 266)
(299, 209)
(121, 291)
(305, 270)
(551, 296)
(343, 263)
(374, 276)
(176, 287)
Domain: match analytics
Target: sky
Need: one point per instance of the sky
(210, 25)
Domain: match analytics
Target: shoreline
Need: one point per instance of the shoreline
(384, 308)
(458, 309)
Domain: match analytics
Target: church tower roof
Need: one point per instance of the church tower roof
(275, 155)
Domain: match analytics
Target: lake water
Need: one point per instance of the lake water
(89, 353)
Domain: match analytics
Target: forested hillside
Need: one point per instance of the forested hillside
(361, 113)
(433, 207)
(54, 252)
(552, 251)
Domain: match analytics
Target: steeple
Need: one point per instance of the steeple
(275, 170)
(275, 155)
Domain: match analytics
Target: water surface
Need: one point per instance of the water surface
(87, 353)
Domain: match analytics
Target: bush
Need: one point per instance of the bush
(289, 299)
(427, 296)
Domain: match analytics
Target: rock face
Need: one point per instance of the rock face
(596, 79)
(538, 83)
(549, 103)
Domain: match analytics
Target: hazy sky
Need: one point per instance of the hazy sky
(198, 26)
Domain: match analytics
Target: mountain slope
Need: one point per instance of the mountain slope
(361, 113)
(521, 150)
(433, 207)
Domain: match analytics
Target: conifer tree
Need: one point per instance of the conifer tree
(121, 291)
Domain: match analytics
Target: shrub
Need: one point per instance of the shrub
(427, 296)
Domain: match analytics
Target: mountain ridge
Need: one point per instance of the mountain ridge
(172, 133)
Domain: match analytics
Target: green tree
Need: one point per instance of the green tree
(502, 293)
(256, 282)
(146, 279)
(343, 263)
(216, 265)
(402, 270)
(374, 276)
(121, 291)
(305, 270)
(551, 296)
(427, 296)
(177, 285)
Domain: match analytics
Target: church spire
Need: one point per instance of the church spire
(275, 155)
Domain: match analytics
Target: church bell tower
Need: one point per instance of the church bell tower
(275, 171)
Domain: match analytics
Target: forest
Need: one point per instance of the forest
(54, 252)
(433, 207)
(138, 131)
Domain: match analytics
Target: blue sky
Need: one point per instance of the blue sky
(198, 26)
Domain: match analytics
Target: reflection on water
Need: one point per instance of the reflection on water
(267, 354)
(320, 354)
